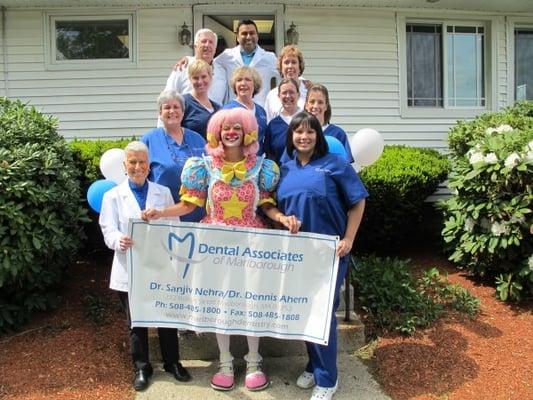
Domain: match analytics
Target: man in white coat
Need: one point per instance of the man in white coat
(246, 53)
(119, 204)
(249, 53)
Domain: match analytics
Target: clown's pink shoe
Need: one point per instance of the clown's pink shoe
(255, 379)
(224, 379)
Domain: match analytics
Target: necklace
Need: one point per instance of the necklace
(179, 153)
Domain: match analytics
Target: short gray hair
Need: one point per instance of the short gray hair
(136, 146)
(167, 95)
(204, 31)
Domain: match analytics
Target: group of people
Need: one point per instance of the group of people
(238, 164)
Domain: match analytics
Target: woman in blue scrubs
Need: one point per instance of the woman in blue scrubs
(324, 192)
(246, 83)
(198, 106)
(276, 132)
(171, 146)
(317, 103)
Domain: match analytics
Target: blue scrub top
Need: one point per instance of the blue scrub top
(276, 138)
(320, 193)
(196, 116)
(167, 159)
(260, 116)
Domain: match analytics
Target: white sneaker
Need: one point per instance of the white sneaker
(324, 393)
(306, 380)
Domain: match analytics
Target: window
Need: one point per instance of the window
(523, 49)
(445, 65)
(424, 65)
(89, 40)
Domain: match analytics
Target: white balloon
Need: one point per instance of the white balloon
(112, 165)
(367, 145)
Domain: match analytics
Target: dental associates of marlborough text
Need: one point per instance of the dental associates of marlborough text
(249, 252)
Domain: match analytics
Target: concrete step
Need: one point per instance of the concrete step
(203, 346)
(355, 381)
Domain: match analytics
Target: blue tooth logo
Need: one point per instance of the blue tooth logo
(187, 260)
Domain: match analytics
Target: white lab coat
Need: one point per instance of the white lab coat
(265, 62)
(118, 206)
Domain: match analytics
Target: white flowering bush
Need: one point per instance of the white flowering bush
(488, 220)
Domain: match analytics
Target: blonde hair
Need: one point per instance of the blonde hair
(197, 66)
(246, 71)
(292, 50)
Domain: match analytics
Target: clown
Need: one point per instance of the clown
(232, 181)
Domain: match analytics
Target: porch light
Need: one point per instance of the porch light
(292, 34)
(184, 35)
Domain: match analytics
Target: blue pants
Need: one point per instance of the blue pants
(323, 359)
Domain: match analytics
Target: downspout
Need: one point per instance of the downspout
(4, 47)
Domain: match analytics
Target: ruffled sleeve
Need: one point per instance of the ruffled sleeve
(268, 181)
(194, 181)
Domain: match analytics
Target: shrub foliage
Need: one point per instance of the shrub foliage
(395, 300)
(398, 184)
(87, 155)
(488, 219)
(40, 211)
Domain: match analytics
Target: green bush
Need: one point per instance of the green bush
(41, 214)
(395, 300)
(87, 155)
(488, 218)
(461, 136)
(398, 184)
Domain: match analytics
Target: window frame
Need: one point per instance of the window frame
(514, 23)
(50, 19)
(489, 66)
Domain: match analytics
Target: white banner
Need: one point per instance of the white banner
(233, 280)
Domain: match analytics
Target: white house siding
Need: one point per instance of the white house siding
(2, 71)
(503, 73)
(95, 102)
(354, 52)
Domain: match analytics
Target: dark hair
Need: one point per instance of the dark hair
(317, 87)
(284, 81)
(307, 119)
(246, 22)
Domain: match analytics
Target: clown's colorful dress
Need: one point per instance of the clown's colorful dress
(233, 191)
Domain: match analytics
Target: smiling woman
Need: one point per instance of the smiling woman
(246, 82)
(171, 146)
(198, 106)
(290, 65)
(276, 133)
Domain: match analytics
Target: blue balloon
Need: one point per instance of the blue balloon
(336, 147)
(95, 193)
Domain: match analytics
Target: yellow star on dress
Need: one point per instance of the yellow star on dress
(233, 207)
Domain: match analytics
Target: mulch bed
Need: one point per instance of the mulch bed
(63, 355)
(490, 357)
